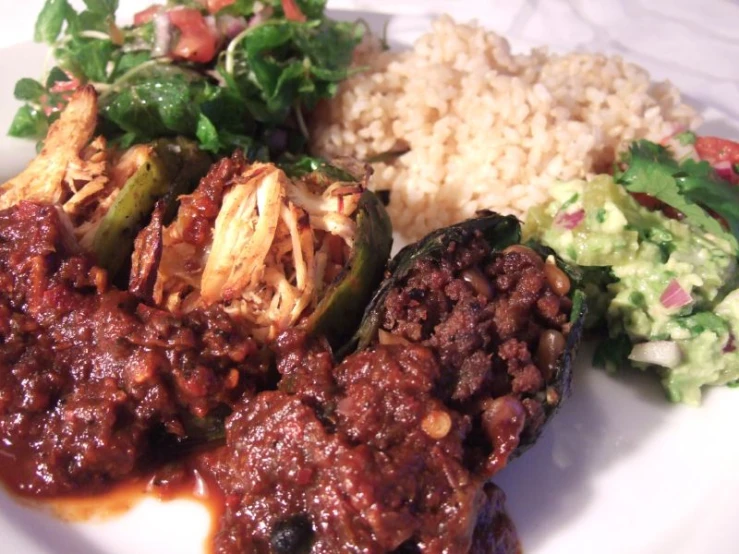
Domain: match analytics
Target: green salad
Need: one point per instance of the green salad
(228, 73)
(672, 301)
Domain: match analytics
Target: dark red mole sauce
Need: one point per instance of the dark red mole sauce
(99, 389)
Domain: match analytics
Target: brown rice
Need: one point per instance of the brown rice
(487, 128)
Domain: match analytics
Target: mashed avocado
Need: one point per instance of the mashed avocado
(673, 293)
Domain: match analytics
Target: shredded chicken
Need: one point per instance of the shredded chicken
(73, 170)
(261, 244)
(90, 214)
(47, 177)
(257, 242)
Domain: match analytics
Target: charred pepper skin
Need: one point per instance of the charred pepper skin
(340, 311)
(500, 233)
(172, 167)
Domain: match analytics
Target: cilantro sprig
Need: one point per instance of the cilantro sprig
(255, 94)
(690, 187)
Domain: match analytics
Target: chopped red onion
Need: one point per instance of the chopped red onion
(162, 35)
(229, 25)
(664, 353)
(724, 169)
(674, 296)
(69, 85)
(571, 220)
(260, 16)
(731, 345)
(210, 21)
(676, 130)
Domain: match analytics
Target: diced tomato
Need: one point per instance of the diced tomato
(652, 204)
(292, 11)
(649, 202)
(61, 92)
(197, 41)
(143, 17)
(215, 6)
(714, 150)
(722, 154)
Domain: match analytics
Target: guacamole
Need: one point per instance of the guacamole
(673, 300)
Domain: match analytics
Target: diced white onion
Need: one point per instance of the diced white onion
(162, 35)
(664, 353)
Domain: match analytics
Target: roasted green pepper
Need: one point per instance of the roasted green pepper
(172, 167)
(340, 309)
(420, 302)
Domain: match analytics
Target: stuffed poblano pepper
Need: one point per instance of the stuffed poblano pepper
(301, 246)
(104, 194)
(163, 169)
(503, 319)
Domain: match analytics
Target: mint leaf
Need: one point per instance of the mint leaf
(29, 123)
(50, 20)
(29, 90)
(312, 9)
(207, 134)
(277, 68)
(87, 58)
(281, 64)
(154, 107)
(56, 75)
(90, 21)
(107, 7)
(127, 61)
(243, 8)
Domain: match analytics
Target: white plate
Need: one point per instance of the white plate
(619, 470)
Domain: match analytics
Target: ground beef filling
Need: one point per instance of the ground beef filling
(496, 322)
(361, 457)
(88, 375)
(369, 455)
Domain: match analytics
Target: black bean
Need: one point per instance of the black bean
(292, 535)
(408, 547)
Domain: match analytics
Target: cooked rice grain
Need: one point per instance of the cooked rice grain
(486, 128)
